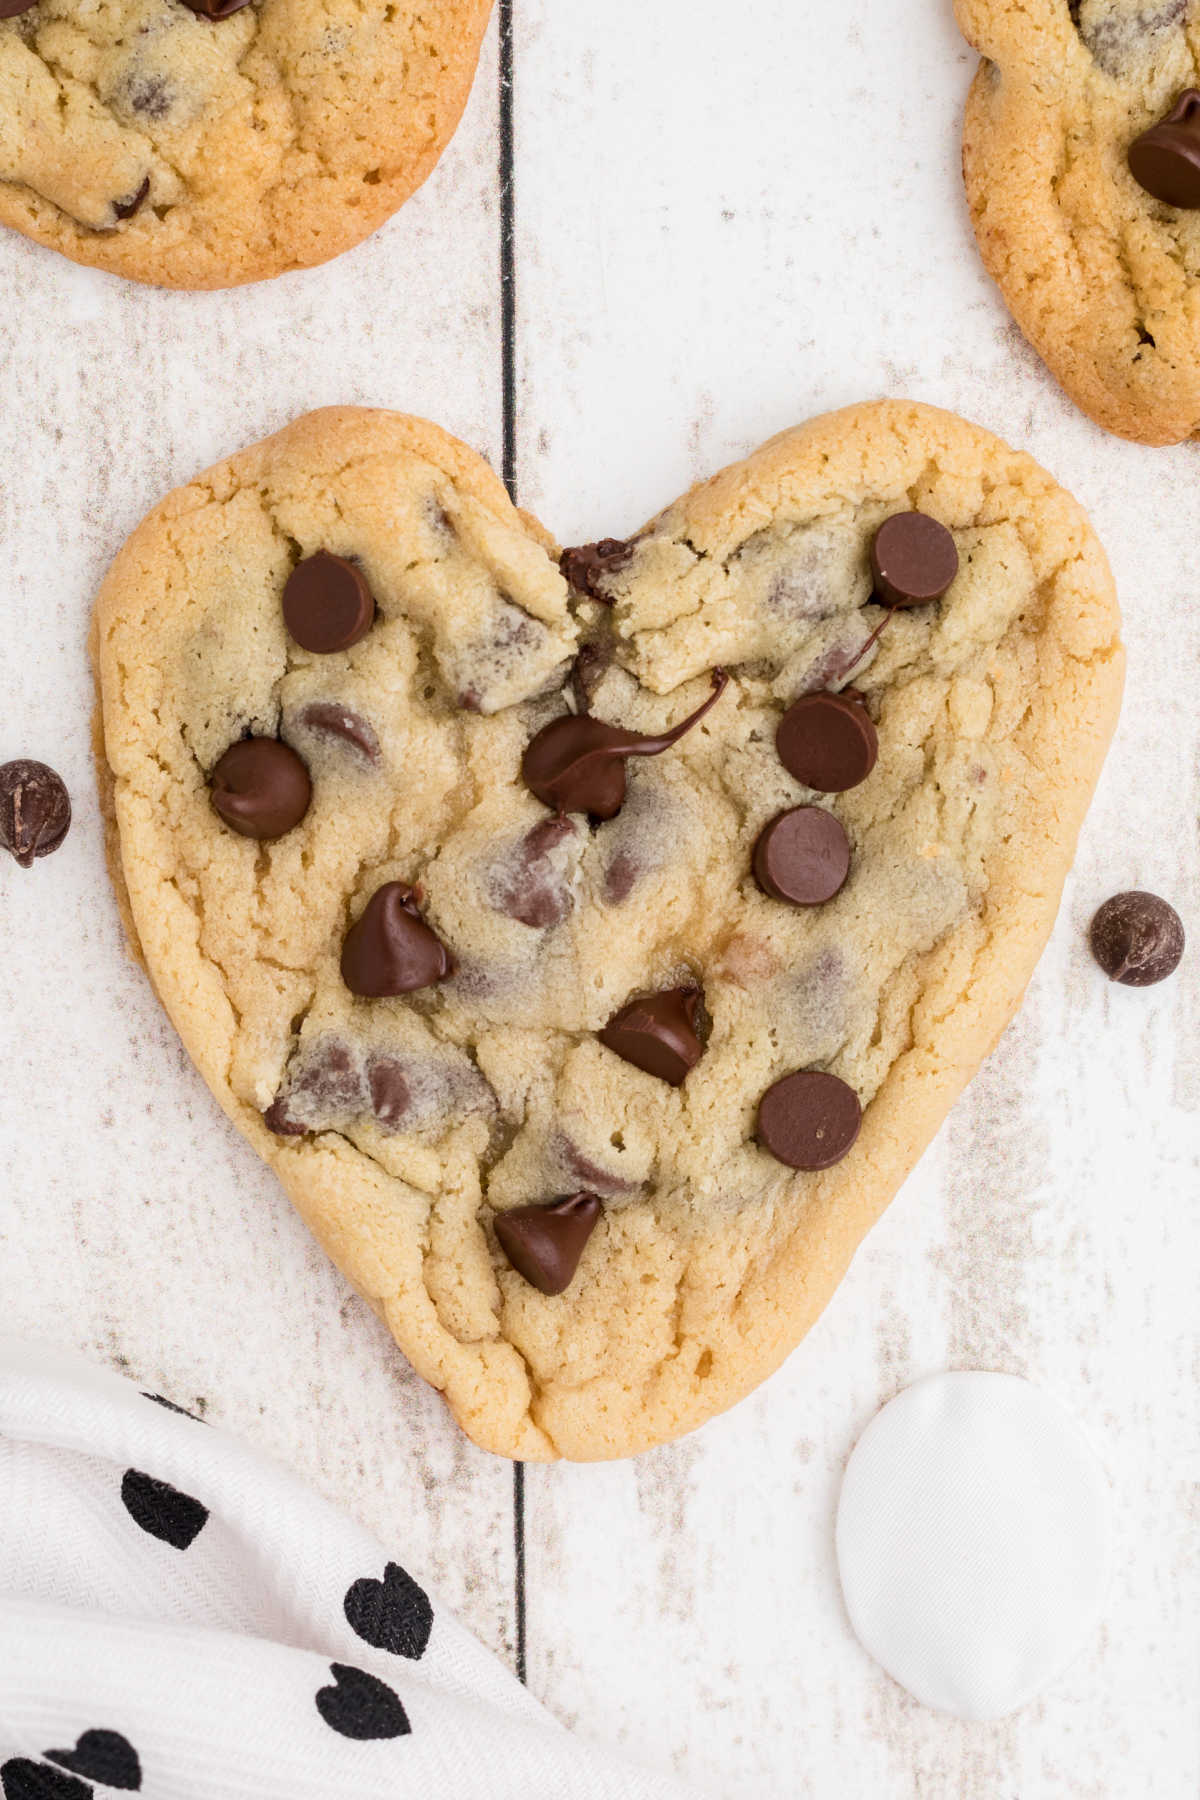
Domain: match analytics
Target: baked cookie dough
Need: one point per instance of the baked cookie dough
(203, 143)
(530, 1066)
(1101, 275)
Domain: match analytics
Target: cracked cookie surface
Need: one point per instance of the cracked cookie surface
(1102, 277)
(147, 139)
(402, 1127)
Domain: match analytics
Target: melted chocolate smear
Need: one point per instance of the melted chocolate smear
(577, 762)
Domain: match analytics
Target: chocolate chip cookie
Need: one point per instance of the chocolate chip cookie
(592, 940)
(1081, 152)
(202, 143)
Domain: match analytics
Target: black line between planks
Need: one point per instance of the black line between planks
(508, 459)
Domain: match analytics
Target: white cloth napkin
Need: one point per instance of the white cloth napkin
(182, 1618)
(974, 1541)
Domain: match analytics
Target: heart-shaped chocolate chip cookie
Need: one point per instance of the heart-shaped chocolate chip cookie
(202, 143)
(1081, 155)
(592, 942)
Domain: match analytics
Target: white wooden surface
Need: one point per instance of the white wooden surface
(726, 219)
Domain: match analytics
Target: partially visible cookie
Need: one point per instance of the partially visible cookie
(592, 943)
(1101, 272)
(203, 143)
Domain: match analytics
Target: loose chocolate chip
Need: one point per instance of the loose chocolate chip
(215, 9)
(828, 742)
(526, 886)
(327, 604)
(545, 1243)
(1166, 159)
(391, 1095)
(577, 763)
(390, 949)
(125, 209)
(802, 856)
(260, 788)
(658, 1034)
(913, 559)
(331, 720)
(809, 1119)
(35, 810)
(1137, 939)
(586, 563)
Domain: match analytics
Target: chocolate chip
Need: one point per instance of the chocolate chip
(125, 209)
(35, 810)
(12, 9)
(577, 763)
(828, 742)
(1137, 939)
(592, 662)
(620, 877)
(809, 1120)
(216, 9)
(260, 788)
(330, 719)
(391, 1094)
(1166, 159)
(324, 1086)
(390, 949)
(586, 563)
(802, 856)
(658, 1034)
(151, 95)
(578, 1163)
(545, 1243)
(526, 886)
(327, 604)
(913, 559)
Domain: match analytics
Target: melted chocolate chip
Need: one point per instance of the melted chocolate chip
(592, 662)
(12, 9)
(260, 788)
(545, 1243)
(577, 763)
(658, 1034)
(620, 877)
(578, 1163)
(330, 719)
(809, 1120)
(1137, 939)
(324, 1085)
(913, 559)
(216, 9)
(584, 565)
(150, 95)
(327, 605)
(390, 949)
(391, 1094)
(35, 810)
(125, 209)
(1166, 159)
(828, 742)
(802, 856)
(526, 886)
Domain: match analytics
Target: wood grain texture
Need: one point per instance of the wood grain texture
(723, 223)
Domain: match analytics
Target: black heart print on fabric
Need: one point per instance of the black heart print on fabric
(359, 1706)
(102, 1756)
(160, 1509)
(24, 1780)
(393, 1614)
